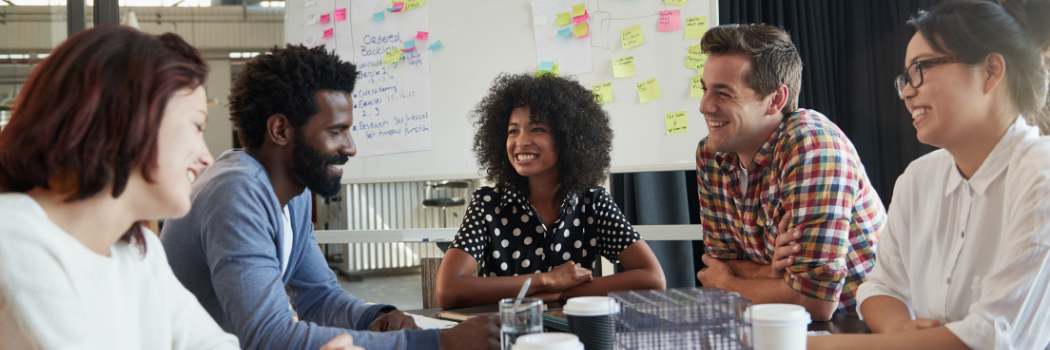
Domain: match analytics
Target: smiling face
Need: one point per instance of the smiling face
(181, 153)
(949, 108)
(736, 115)
(324, 143)
(530, 146)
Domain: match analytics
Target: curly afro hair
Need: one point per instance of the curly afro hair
(579, 127)
(285, 81)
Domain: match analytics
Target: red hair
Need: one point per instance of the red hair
(89, 114)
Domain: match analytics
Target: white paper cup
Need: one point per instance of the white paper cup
(548, 341)
(779, 326)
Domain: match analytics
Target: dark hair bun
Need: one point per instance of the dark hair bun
(1034, 16)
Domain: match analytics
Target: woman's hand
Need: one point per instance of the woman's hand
(565, 276)
(342, 342)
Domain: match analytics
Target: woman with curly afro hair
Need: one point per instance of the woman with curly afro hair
(544, 141)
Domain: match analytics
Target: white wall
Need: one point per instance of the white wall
(219, 132)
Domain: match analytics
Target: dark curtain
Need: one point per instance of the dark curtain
(851, 52)
(660, 198)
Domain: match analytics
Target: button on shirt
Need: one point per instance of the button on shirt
(502, 231)
(807, 167)
(973, 254)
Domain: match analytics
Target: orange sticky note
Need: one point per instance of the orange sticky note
(581, 30)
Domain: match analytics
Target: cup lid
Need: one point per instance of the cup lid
(548, 341)
(779, 313)
(589, 306)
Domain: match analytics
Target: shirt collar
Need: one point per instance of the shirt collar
(512, 196)
(997, 162)
(764, 157)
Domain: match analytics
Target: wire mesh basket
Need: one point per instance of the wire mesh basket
(681, 318)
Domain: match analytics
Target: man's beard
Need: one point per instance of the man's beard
(310, 167)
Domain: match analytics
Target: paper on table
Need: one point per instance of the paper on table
(602, 92)
(623, 67)
(648, 90)
(573, 56)
(697, 89)
(325, 18)
(431, 323)
(582, 30)
(340, 15)
(695, 27)
(564, 18)
(669, 21)
(632, 36)
(676, 122)
(579, 10)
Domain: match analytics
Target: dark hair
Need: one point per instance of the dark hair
(776, 61)
(285, 81)
(579, 127)
(89, 115)
(1019, 30)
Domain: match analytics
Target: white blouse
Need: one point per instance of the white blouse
(973, 254)
(55, 293)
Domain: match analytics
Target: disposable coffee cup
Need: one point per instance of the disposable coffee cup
(548, 341)
(589, 319)
(779, 326)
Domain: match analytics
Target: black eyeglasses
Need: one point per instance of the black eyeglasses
(913, 75)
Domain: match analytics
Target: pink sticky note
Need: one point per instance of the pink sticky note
(340, 15)
(328, 33)
(581, 18)
(325, 18)
(398, 6)
(407, 50)
(422, 35)
(669, 21)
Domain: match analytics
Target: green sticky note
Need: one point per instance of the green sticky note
(411, 4)
(697, 88)
(391, 57)
(632, 36)
(695, 27)
(676, 2)
(602, 92)
(623, 67)
(579, 10)
(676, 122)
(553, 70)
(564, 18)
(648, 90)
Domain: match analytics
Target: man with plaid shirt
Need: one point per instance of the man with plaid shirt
(789, 215)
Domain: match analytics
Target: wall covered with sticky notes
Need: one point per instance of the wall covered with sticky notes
(482, 39)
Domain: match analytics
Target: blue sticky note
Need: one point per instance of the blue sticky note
(565, 33)
(435, 45)
(410, 44)
(379, 16)
(546, 65)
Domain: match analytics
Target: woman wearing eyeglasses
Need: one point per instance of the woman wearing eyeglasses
(964, 261)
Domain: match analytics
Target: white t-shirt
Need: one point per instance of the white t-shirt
(287, 237)
(973, 254)
(55, 293)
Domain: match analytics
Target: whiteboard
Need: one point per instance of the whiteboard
(482, 39)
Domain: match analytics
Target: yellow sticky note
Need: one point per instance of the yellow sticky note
(676, 122)
(392, 56)
(564, 18)
(676, 2)
(649, 90)
(553, 71)
(581, 30)
(697, 88)
(695, 27)
(632, 36)
(696, 62)
(602, 92)
(411, 4)
(623, 67)
(578, 10)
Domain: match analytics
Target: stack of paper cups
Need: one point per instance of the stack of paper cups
(779, 326)
(548, 341)
(589, 319)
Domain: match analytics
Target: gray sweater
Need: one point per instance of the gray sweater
(226, 251)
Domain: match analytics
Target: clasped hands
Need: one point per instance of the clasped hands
(719, 274)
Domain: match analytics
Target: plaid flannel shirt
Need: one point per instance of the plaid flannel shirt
(809, 167)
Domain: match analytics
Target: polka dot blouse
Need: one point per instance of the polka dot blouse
(504, 234)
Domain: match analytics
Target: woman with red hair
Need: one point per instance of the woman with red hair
(107, 133)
